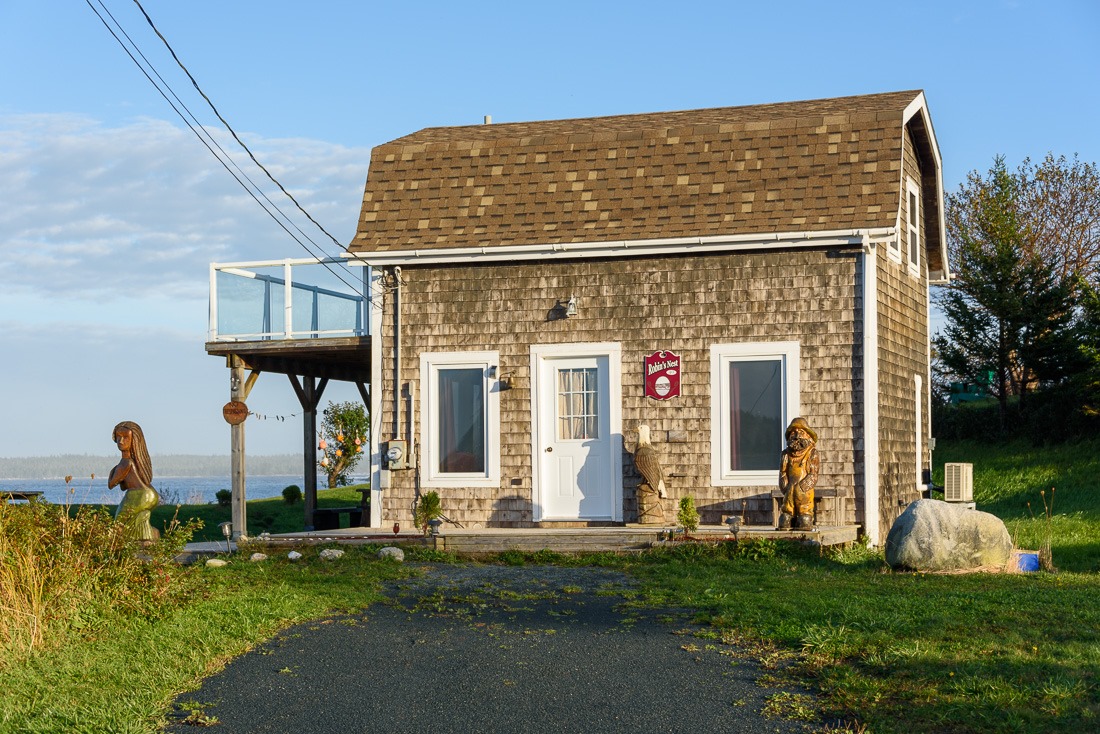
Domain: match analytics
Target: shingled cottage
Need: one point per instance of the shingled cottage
(541, 289)
(771, 260)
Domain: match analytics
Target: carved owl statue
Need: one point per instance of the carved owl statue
(648, 464)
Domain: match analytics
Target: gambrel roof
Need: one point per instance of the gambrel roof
(817, 166)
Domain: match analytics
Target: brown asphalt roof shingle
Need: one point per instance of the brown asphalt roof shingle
(798, 166)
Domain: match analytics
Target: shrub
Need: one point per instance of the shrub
(292, 495)
(60, 573)
(688, 516)
(427, 508)
(1052, 415)
(224, 496)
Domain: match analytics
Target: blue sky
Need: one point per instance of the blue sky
(112, 210)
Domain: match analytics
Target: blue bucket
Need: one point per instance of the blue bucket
(1027, 561)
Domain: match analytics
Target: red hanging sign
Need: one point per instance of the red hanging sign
(662, 375)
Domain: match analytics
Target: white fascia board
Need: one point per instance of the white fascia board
(919, 106)
(624, 248)
(869, 294)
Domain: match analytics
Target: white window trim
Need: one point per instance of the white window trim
(896, 244)
(720, 356)
(912, 192)
(430, 363)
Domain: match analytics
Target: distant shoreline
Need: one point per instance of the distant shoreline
(83, 466)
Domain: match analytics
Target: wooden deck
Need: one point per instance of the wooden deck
(333, 358)
(477, 542)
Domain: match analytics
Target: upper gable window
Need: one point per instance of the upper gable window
(912, 226)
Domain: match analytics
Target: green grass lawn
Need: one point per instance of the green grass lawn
(902, 652)
(123, 676)
(1009, 476)
(885, 651)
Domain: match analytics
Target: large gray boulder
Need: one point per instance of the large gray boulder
(940, 536)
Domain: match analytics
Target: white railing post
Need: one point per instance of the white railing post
(288, 301)
(213, 310)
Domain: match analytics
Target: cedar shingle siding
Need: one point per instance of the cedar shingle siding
(819, 166)
(681, 304)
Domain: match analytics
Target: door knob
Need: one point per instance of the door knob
(549, 449)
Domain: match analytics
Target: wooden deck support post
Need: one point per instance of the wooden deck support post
(309, 392)
(237, 392)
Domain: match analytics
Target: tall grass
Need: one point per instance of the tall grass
(63, 572)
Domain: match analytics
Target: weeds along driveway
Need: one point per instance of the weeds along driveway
(476, 648)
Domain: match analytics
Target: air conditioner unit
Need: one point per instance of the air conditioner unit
(958, 482)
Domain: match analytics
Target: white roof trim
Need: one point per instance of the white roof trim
(621, 248)
(919, 106)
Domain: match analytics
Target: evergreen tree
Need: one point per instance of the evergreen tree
(1009, 314)
(1089, 348)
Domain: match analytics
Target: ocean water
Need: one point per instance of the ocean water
(173, 490)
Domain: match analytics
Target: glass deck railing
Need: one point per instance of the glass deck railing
(287, 299)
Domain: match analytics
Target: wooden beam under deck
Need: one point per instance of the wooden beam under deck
(346, 359)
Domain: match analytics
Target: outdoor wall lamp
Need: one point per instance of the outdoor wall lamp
(564, 309)
(227, 531)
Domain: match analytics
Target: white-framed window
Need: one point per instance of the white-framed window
(754, 390)
(459, 419)
(912, 226)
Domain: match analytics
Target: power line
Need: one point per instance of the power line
(230, 127)
(204, 132)
(213, 143)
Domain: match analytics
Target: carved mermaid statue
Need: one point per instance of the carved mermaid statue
(134, 475)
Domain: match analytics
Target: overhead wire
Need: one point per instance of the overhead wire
(229, 127)
(206, 133)
(210, 143)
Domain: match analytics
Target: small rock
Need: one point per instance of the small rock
(294, 555)
(395, 554)
(216, 563)
(258, 557)
(331, 554)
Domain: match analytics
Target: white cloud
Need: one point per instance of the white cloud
(106, 236)
(95, 211)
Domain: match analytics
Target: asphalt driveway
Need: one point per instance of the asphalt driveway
(477, 648)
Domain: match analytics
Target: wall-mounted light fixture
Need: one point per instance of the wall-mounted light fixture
(563, 309)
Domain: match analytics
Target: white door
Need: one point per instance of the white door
(576, 439)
